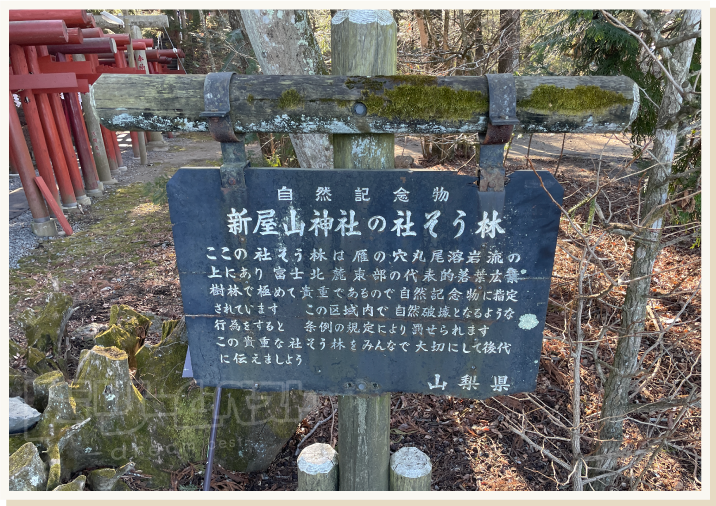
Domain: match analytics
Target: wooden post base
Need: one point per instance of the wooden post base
(318, 468)
(364, 441)
(410, 469)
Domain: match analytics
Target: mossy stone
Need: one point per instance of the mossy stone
(119, 338)
(16, 349)
(103, 420)
(60, 408)
(38, 362)
(44, 329)
(76, 485)
(41, 387)
(27, 471)
(103, 376)
(21, 385)
(254, 426)
(107, 478)
(130, 320)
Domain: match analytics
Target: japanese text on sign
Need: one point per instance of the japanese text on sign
(386, 273)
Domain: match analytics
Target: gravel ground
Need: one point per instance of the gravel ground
(22, 240)
(15, 183)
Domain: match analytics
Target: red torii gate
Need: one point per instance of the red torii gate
(46, 50)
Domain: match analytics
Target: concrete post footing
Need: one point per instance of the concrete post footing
(84, 200)
(45, 228)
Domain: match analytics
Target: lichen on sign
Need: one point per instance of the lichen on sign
(528, 321)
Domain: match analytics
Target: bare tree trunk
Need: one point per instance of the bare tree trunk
(509, 59)
(207, 41)
(420, 17)
(446, 29)
(480, 47)
(646, 250)
(430, 28)
(283, 43)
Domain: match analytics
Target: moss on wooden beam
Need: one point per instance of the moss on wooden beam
(411, 102)
(395, 104)
(290, 99)
(548, 98)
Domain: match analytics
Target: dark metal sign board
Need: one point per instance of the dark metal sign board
(360, 281)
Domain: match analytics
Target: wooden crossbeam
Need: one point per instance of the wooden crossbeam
(106, 69)
(47, 66)
(52, 83)
(395, 104)
(150, 21)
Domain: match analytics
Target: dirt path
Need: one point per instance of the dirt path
(199, 149)
(184, 150)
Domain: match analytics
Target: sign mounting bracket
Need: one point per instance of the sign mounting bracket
(501, 122)
(217, 105)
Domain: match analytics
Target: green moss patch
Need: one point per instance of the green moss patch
(43, 331)
(550, 98)
(38, 362)
(290, 99)
(27, 471)
(129, 319)
(417, 101)
(119, 338)
(41, 387)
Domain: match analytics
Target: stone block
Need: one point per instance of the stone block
(22, 416)
(27, 471)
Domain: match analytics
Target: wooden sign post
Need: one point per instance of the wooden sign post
(363, 43)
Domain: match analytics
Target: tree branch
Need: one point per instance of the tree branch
(678, 40)
(663, 404)
(614, 21)
(654, 32)
(540, 449)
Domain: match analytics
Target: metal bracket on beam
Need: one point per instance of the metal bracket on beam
(217, 105)
(502, 119)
